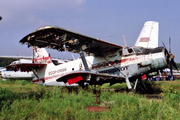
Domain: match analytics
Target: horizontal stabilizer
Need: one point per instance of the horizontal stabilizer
(24, 66)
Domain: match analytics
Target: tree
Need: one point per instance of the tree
(6, 61)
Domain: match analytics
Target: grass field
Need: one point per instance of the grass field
(24, 100)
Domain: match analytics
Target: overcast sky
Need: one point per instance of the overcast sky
(104, 19)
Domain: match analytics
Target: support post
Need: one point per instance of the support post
(128, 83)
(83, 59)
(142, 83)
(35, 73)
(135, 84)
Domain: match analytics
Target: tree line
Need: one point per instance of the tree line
(6, 61)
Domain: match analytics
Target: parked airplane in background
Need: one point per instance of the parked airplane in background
(104, 61)
(19, 75)
(28, 59)
(4, 74)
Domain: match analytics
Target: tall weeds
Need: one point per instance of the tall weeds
(41, 102)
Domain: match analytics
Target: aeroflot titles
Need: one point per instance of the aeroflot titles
(57, 71)
(114, 70)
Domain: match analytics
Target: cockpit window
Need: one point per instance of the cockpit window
(131, 50)
(141, 49)
(127, 51)
(136, 50)
(120, 53)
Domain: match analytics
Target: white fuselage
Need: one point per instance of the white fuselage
(112, 63)
(18, 75)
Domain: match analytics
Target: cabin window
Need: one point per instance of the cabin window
(99, 65)
(110, 63)
(116, 61)
(125, 51)
(120, 53)
(130, 50)
(104, 64)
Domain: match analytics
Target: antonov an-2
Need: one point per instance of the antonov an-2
(99, 62)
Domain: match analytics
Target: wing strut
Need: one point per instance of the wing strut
(140, 78)
(135, 84)
(35, 73)
(83, 59)
(128, 83)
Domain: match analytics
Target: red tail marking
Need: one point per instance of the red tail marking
(145, 39)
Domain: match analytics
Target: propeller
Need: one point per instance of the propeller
(170, 58)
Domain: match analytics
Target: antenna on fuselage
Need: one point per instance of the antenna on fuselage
(33, 48)
(125, 41)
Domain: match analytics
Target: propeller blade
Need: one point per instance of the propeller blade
(170, 67)
(169, 45)
(174, 64)
(170, 58)
(164, 45)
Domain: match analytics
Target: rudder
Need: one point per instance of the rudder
(148, 38)
(42, 56)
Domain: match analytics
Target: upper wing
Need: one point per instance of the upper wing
(148, 38)
(61, 40)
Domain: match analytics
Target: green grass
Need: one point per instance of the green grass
(24, 100)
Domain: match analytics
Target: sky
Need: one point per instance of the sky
(104, 19)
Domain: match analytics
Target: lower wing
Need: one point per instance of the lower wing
(88, 76)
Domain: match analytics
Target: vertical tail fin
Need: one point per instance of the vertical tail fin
(148, 38)
(42, 56)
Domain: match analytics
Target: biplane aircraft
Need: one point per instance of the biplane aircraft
(100, 61)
